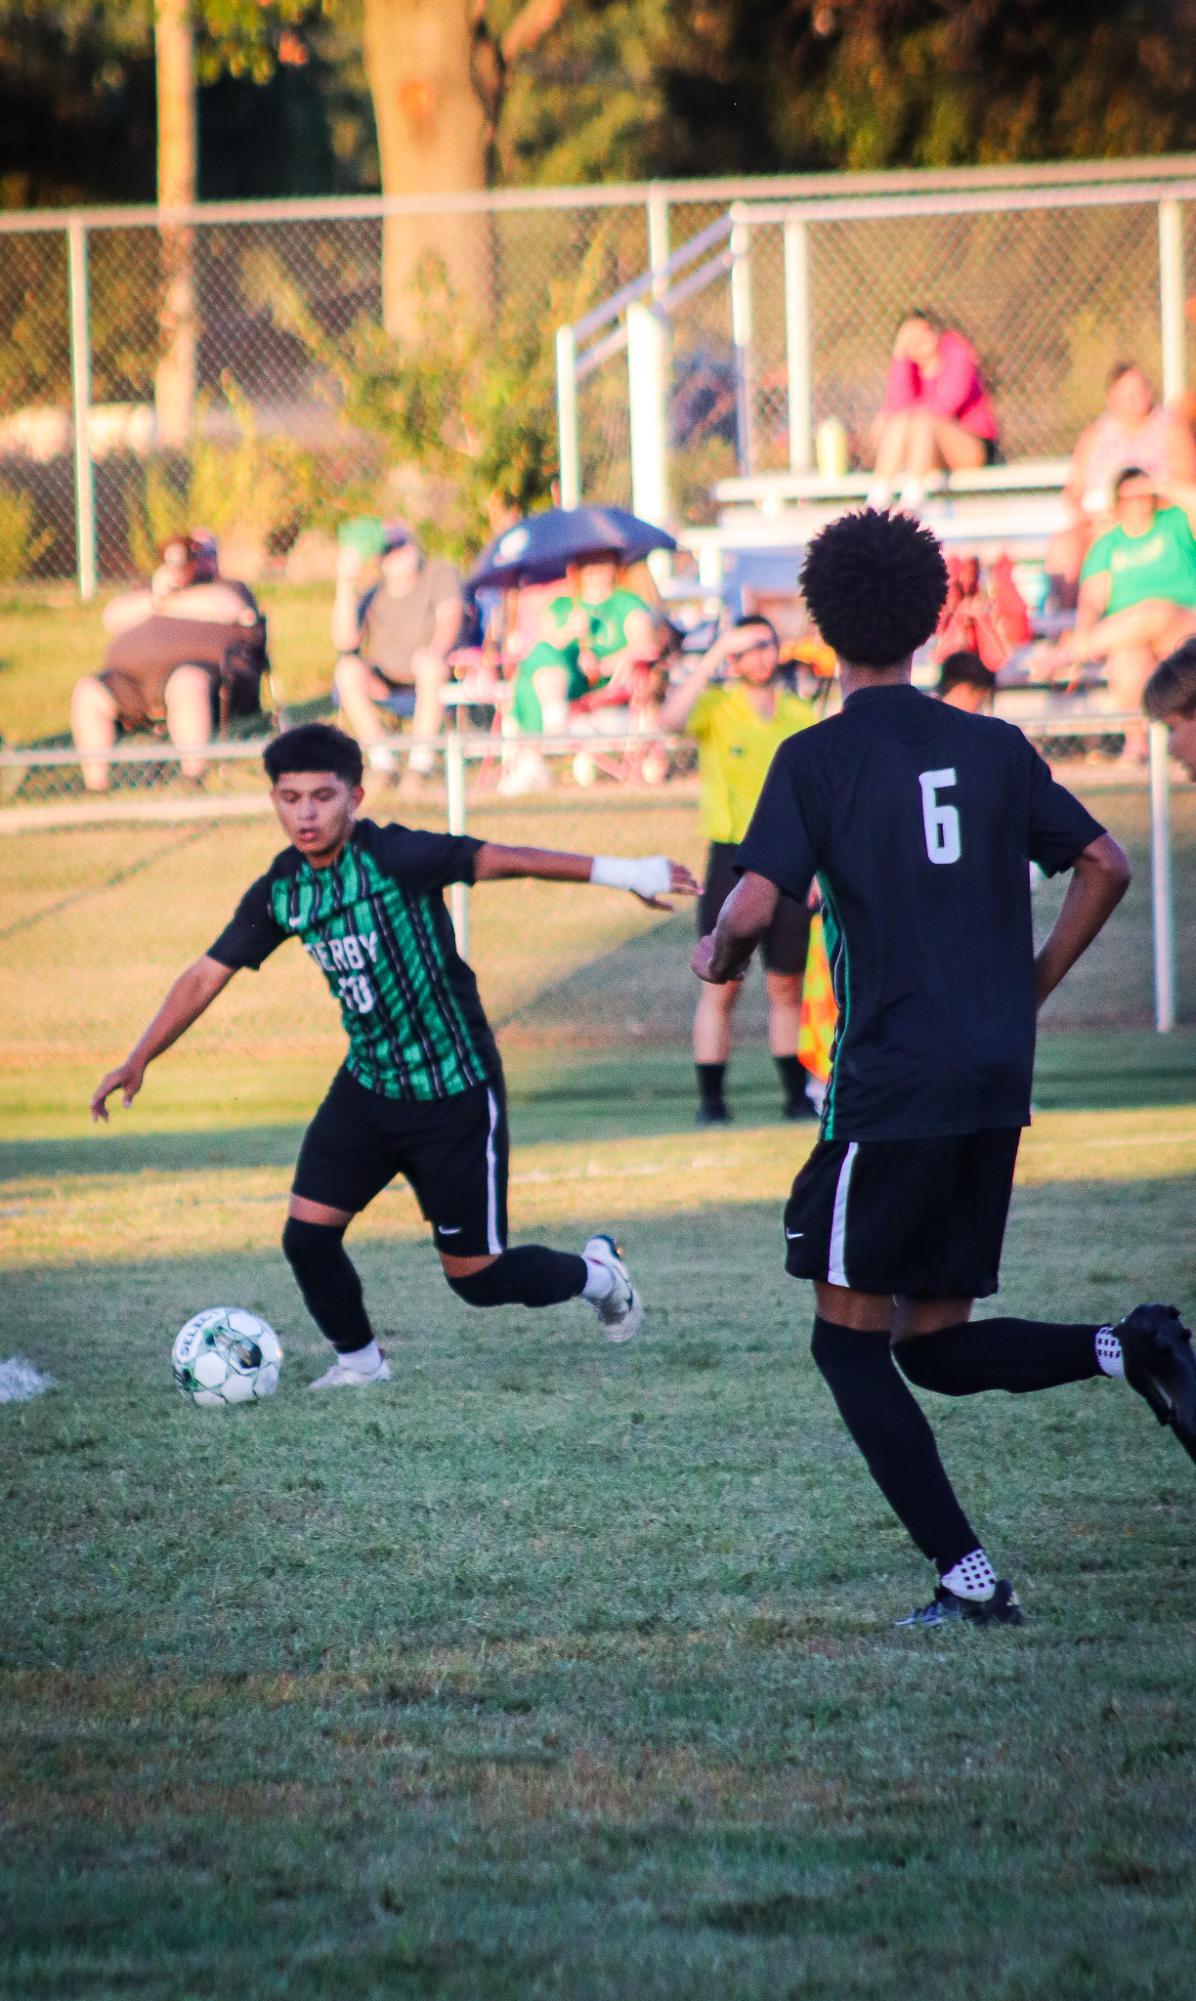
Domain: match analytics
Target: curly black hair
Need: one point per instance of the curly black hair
(875, 584)
(313, 747)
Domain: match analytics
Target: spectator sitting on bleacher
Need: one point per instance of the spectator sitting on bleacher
(983, 614)
(1137, 595)
(186, 655)
(966, 683)
(1133, 430)
(592, 637)
(937, 415)
(394, 644)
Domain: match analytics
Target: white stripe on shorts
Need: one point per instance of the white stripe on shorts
(493, 1242)
(836, 1273)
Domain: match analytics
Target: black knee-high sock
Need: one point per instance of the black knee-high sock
(1014, 1355)
(329, 1283)
(711, 1077)
(898, 1445)
(793, 1081)
(529, 1275)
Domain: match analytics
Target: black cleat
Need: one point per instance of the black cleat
(798, 1110)
(946, 1609)
(1156, 1348)
(712, 1115)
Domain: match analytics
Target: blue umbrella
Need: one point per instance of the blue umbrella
(540, 548)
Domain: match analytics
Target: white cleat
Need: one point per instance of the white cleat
(620, 1313)
(341, 1377)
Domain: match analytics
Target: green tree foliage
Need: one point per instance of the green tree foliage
(585, 90)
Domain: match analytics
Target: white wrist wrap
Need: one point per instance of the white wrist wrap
(647, 875)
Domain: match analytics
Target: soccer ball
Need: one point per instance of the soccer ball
(225, 1355)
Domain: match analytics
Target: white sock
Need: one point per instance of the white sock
(363, 1361)
(972, 1577)
(600, 1280)
(422, 761)
(879, 494)
(381, 757)
(1108, 1353)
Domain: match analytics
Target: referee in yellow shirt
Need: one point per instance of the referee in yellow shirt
(737, 723)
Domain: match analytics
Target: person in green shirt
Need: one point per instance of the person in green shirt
(1137, 594)
(738, 722)
(592, 637)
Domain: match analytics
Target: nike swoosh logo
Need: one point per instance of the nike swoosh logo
(793, 1235)
(454, 1232)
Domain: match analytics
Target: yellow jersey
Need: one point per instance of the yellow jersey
(736, 745)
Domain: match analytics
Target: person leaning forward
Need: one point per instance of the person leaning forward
(394, 642)
(185, 656)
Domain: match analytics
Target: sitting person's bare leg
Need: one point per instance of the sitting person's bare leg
(957, 448)
(189, 716)
(893, 443)
(356, 686)
(93, 727)
(430, 672)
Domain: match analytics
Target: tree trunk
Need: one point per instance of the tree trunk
(174, 55)
(434, 137)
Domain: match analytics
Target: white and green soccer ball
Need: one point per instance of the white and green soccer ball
(226, 1355)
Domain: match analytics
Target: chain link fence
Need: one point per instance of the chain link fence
(99, 916)
(158, 368)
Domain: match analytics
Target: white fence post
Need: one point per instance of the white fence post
(647, 374)
(658, 241)
(85, 499)
(1162, 906)
(454, 786)
(566, 416)
(1171, 298)
(796, 242)
(741, 338)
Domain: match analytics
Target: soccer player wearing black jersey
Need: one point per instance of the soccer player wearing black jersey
(918, 821)
(421, 1092)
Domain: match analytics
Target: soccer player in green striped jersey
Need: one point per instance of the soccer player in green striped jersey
(421, 1090)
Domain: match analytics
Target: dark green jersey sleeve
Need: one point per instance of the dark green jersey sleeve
(252, 934)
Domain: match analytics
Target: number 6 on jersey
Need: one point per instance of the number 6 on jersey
(941, 822)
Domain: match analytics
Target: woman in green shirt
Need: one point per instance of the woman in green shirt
(1137, 594)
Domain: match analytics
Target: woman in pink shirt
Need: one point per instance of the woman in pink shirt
(937, 415)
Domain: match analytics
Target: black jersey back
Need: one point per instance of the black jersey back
(920, 822)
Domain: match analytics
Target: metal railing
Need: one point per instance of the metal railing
(1054, 271)
(1052, 283)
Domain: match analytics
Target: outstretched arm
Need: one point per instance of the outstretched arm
(1100, 876)
(650, 877)
(742, 922)
(191, 993)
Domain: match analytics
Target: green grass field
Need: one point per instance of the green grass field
(563, 1670)
(556, 1669)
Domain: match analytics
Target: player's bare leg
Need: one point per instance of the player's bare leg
(712, 1048)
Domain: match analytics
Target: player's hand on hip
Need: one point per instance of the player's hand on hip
(702, 963)
(127, 1079)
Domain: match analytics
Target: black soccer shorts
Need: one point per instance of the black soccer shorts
(924, 1218)
(453, 1151)
(786, 941)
